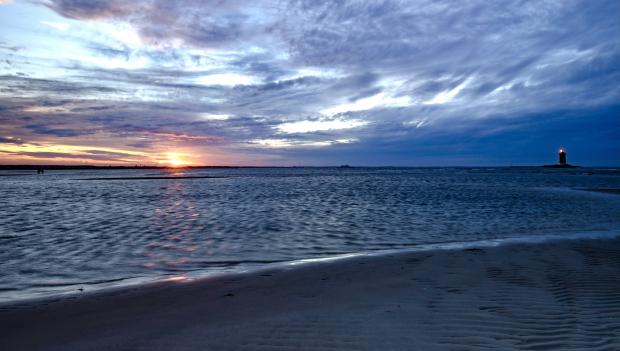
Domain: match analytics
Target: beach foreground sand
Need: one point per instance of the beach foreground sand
(552, 296)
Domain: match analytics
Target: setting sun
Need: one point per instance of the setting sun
(174, 160)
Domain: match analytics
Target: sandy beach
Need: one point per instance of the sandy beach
(561, 295)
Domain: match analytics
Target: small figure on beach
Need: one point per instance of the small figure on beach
(40, 170)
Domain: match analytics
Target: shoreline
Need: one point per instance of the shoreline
(84, 290)
(558, 294)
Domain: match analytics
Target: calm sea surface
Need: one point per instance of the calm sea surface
(59, 233)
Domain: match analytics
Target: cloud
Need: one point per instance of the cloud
(447, 95)
(11, 140)
(57, 25)
(57, 132)
(231, 79)
(159, 22)
(291, 143)
(389, 77)
(93, 9)
(318, 125)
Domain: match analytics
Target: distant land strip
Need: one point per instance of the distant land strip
(147, 178)
(78, 167)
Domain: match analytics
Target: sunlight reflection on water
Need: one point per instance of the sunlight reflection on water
(57, 232)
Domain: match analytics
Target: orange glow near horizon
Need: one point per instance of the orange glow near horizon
(68, 154)
(174, 156)
(174, 160)
(49, 153)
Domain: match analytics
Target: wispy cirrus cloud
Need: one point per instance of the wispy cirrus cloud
(292, 81)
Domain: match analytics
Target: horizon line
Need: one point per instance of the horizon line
(55, 166)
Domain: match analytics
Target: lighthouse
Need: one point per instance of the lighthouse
(562, 155)
(561, 161)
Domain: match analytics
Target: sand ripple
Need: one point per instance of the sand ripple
(551, 296)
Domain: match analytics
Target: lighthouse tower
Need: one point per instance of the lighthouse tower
(562, 161)
(562, 155)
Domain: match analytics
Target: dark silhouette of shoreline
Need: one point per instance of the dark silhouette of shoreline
(87, 167)
(90, 167)
(156, 177)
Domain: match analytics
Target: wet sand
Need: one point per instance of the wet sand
(552, 296)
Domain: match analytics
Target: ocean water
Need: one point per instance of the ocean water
(60, 233)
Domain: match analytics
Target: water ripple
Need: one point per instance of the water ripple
(57, 232)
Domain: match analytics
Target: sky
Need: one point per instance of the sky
(308, 82)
